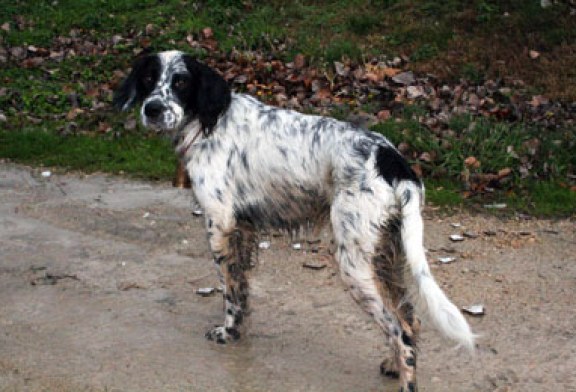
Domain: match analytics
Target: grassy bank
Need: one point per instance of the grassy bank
(60, 62)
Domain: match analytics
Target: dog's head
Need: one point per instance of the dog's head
(174, 89)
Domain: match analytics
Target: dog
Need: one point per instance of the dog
(255, 166)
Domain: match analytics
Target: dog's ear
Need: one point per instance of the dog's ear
(130, 91)
(211, 96)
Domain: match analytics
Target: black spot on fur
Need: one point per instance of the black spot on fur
(410, 362)
(238, 318)
(219, 195)
(139, 83)
(208, 95)
(241, 190)
(393, 167)
(407, 340)
(244, 160)
(387, 372)
(233, 332)
(411, 387)
(363, 148)
(283, 151)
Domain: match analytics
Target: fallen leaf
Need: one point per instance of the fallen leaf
(104, 127)
(534, 54)
(149, 29)
(472, 162)
(413, 92)
(341, 69)
(425, 157)
(504, 172)
(391, 72)
(73, 113)
(299, 61)
(207, 33)
(416, 168)
(404, 78)
(384, 115)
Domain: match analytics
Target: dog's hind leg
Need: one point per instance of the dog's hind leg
(357, 239)
(232, 251)
(390, 266)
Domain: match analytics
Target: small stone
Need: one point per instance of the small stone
(264, 245)
(313, 265)
(206, 291)
(456, 238)
(474, 310)
(446, 260)
(470, 234)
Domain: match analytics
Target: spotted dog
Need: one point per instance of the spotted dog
(254, 166)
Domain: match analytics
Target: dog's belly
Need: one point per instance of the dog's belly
(283, 206)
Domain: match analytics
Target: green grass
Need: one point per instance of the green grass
(36, 100)
(137, 156)
(496, 145)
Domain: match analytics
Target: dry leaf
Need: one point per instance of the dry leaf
(73, 113)
(472, 162)
(504, 172)
(207, 33)
(384, 115)
(299, 61)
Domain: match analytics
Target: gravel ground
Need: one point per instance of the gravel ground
(98, 280)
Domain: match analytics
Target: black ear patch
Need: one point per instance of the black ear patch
(210, 95)
(139, 83)
(393, 167)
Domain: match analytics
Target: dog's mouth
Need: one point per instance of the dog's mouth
(164, 122)
(161, 117)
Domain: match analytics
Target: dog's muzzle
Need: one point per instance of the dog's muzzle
(155, 114)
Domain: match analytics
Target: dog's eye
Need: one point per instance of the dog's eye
(148, 80)
(180, 83)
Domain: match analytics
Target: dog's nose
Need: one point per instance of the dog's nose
(153, 109)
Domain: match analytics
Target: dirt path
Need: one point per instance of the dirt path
(97, 293)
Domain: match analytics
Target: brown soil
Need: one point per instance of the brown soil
(97, 293)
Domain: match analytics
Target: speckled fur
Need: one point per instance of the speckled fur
(254, 166)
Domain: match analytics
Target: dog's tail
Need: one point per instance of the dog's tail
(426, 295)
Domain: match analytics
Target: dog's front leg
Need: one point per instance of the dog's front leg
(228, 249)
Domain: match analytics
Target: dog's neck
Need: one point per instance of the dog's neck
(190, 134)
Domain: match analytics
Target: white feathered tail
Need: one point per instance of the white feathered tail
(426, 295)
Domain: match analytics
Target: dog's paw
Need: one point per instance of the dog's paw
(222, 335)
(389, 368)
(410, 387)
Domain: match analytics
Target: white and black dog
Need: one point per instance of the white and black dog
(255, 166)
